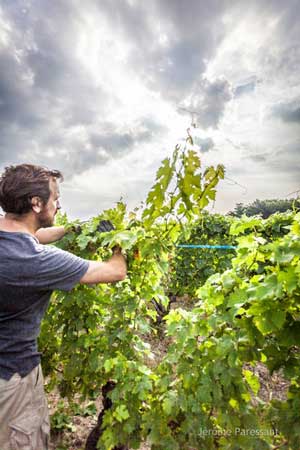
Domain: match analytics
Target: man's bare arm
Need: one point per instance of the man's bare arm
(115, 269)
(51, 234)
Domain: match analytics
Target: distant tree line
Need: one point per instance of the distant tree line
(265, 208)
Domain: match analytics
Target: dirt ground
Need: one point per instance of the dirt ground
(271, 387)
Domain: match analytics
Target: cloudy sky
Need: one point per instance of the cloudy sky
(101, 90)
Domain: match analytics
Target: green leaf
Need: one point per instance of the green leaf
(278, 318)
(289, 278)
(82, 241)
(121, 413)
(264, 324)
(126, 239)
(167, 406)
(246, 223)
(165, 173)
(109, 364)
(252, 380)
(238, 297)
(271, 321)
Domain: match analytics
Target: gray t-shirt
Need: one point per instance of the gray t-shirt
(29, 273)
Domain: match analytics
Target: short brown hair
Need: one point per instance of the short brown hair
(18, 184)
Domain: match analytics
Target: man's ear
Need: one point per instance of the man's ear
(36, 204)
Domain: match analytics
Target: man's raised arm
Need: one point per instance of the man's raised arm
(51, 234)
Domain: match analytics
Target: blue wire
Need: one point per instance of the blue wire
(225, 247)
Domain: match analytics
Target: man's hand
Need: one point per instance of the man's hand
(73, 228)
(117, 251)
(105, 226)
(115, 269)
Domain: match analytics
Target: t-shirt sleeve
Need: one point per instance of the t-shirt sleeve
(53, 268)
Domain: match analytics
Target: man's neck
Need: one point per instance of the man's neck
(12, 223)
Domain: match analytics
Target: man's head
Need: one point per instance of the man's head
(29, 189)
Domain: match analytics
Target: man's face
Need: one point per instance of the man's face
(47, 216)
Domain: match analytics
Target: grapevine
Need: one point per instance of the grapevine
(200, 393)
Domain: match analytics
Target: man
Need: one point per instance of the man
(29, 272)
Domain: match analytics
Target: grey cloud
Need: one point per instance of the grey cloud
(288, 112)
(15, 106)
(41, 84)
(285, 159)
(205, 144)
(197, 31)
(45, 93)
(255, 154)
(117, 141)
(208, 102)
(234, 145)
(287, 166)
(244, 88)
(291, 149)
(75, 154)
(258, 158)
(193, 32)
(280, 57)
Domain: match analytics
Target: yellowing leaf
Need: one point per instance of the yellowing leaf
(234, 403)
(252, 380)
